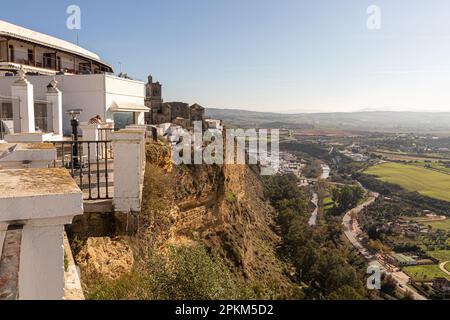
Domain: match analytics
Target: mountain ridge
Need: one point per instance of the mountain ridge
(358, 120)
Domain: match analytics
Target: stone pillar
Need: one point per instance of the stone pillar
(23, 90)
(128, 169)
(54, 98)
(90, 133)
(41, 270)
(43, 201)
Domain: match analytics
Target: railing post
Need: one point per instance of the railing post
(90, 132)
(22, 90)
(128, 170)
(54, 97)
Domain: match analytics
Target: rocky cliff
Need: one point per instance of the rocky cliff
(222, 207)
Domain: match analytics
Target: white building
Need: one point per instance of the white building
(43, 54)
(214, 125)
(84, 80)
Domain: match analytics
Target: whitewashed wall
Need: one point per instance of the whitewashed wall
(93, 93)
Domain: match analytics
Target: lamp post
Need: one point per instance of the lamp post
(73, 113)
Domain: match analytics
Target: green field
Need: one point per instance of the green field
(413, 178)
(425, 272)
(328, 203)
(434, 165)
(441, 255)
(443, 225)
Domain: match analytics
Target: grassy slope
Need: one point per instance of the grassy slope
(426, 182)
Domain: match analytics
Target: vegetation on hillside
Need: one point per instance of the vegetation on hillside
(322, 265)
(346, 198)
(180, 273)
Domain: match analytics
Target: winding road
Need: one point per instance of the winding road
(313, 220)
(352, 230)
(443, 269)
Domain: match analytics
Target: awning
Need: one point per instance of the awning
(128, 107)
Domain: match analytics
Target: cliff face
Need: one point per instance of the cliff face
(222, 207)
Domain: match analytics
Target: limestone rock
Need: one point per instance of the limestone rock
(105, 257)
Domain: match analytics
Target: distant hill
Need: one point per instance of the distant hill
(367, 120)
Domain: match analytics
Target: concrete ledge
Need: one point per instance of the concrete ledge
(98, 206)
(28, 137)
(34, 155)
(29, 194)
(72, 288)
(128, 134)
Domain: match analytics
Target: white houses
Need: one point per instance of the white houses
(88, 84)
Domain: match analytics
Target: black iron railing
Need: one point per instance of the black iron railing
(90, 164)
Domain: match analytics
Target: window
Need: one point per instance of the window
(11, 54)
(58, 63)
(40, 117)
(3, 51)
(6, 119)
(6, 110)
(30, 56)
(84, 67)
(123, 119)
(48, 61)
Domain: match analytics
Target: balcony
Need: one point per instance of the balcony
(39, 60)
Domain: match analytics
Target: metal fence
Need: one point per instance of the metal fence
(90, 164)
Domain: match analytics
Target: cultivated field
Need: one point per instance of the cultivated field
(400, 156)
(443, 225)
(425, 272)
(433, 165)
(441, 255)
(413, 178)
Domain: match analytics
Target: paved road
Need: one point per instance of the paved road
(351, 232)
(349, 228)
(313, 220)
(442, 267)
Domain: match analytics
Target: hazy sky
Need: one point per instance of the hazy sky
(277, 55)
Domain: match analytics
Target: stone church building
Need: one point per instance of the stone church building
(179, 113)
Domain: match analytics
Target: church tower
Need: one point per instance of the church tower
(153, 100)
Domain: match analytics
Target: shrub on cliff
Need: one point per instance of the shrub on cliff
(181, 273)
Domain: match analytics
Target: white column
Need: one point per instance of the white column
(90, 133)
(128, 170)
(43, 208)
(41, 270)
(54, 97)
(23, 90)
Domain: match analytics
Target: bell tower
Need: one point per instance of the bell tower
(153, 100)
